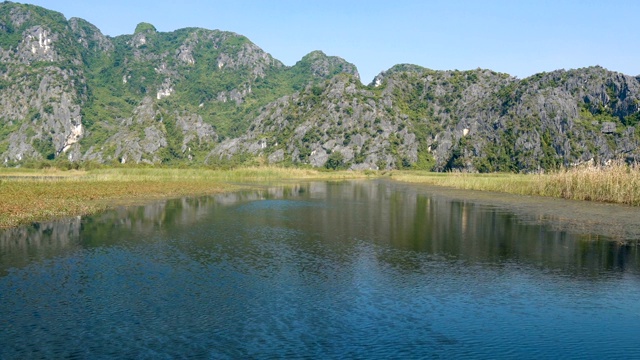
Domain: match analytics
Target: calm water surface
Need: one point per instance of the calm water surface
(318, 270)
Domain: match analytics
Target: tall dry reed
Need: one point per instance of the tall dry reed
(615, 183)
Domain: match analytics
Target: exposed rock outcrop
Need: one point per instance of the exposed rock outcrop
(209, 96)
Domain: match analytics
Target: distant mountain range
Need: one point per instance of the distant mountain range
(197, 96)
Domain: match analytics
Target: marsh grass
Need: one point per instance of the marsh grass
(37, 195)
(265, 173)
(511, 183)
(616, 183)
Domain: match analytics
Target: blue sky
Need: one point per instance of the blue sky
(520, 38)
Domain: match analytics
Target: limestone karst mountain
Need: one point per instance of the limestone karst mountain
(208, 96)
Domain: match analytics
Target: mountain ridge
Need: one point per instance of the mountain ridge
(199, 96)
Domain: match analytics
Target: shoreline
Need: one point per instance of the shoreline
(30, 196)
(38, 196)
(616, 222)
(617, 183)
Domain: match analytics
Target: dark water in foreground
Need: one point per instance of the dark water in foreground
(319, 270)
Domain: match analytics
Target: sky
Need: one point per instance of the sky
(517, 37)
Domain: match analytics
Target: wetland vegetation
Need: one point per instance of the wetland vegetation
(29, 195)
(326, 269)
(618, 183)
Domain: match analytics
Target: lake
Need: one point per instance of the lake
(351, 269)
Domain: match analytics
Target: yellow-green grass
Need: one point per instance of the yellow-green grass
(618, 183)
(38, 195)
(260, 173)
(27, 195)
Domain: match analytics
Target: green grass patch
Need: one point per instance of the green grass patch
(31, 195)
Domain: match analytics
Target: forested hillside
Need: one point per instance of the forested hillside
(198, 96)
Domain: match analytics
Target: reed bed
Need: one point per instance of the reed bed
(27, 200)
(264, 173)
(616, 183)
(510, 183)
(37, 195)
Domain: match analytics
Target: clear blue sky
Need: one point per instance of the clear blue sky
(520, 38)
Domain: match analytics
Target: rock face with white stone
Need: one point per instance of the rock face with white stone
(207, 96)
(73, 138)
(165, 91)
(38, 45)
(459, 120)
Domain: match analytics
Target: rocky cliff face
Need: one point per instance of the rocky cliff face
(209, 96)
(473, 120)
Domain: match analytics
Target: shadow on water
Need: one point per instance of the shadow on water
(434, 221)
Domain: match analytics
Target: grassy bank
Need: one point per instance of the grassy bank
(618, 183)
(38, 195)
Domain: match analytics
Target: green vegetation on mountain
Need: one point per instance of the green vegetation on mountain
(197, 96)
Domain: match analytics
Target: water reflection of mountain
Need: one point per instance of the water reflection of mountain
(408, 218)
(20, 245)
(395, 218)
(40, 240)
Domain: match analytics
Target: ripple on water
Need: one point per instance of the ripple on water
(304, 279)
(157, 301)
